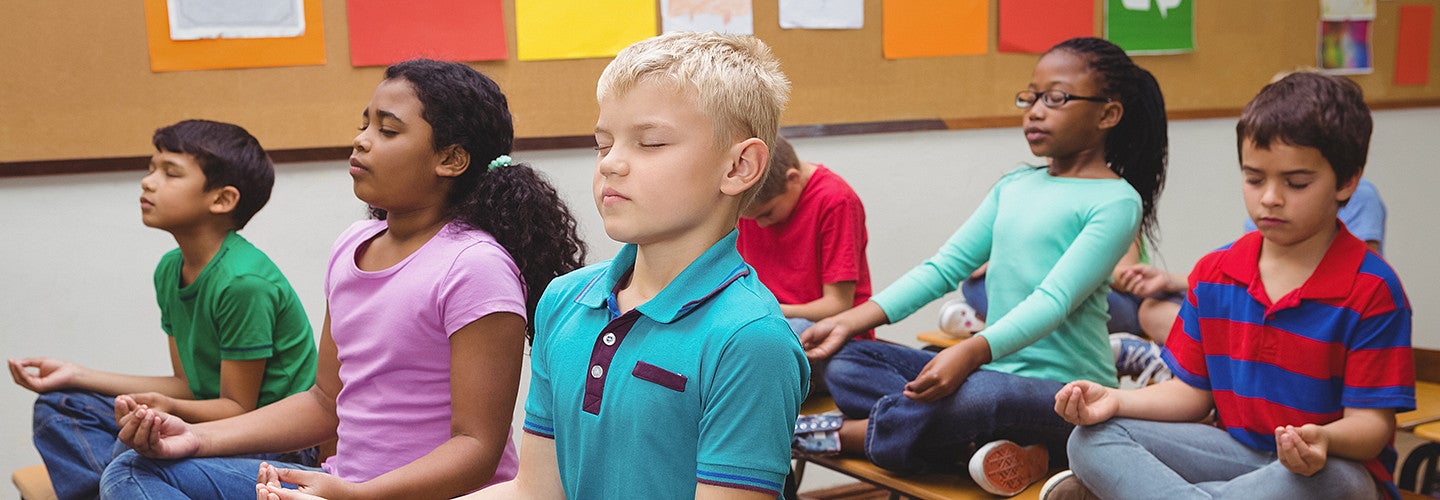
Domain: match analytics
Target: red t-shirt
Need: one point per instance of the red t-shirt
(823, 241)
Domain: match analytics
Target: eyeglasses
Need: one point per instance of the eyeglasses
(1053, 98)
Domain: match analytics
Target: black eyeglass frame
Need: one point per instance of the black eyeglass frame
(1044, 97)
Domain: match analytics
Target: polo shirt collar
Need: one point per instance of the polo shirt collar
(1333, 278)
(706, 276)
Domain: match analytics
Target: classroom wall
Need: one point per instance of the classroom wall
(76, 263)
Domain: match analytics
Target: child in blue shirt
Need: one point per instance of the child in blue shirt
(668, 371)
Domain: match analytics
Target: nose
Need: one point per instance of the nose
(147, 184)
(361, 143)
(1035, 112)
(612, 163)
(1271, 196)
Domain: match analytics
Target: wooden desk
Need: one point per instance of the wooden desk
(946, 486)
(937, 338)
(1427, 407)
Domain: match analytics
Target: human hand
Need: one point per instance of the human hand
(824, 338)
(311, 484)
(1083, 402)
(1143, 280)
(1303, 450)
(156, 401)
(944, 374)
(43, 374)
(156, 435)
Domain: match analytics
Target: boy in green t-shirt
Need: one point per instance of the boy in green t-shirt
(239, 337)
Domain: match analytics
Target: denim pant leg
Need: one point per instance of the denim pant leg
(973, 290)
(1124, 313)
(1127, 458)
(132, 476)
(909, 436)
(74, 431)
(865, 371)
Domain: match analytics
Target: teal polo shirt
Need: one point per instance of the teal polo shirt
(701, 383)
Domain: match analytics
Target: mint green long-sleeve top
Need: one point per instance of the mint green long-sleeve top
(1051, 243)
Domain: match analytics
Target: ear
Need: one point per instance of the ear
(747, 166)
(792, 176)
(454, 160)
(1110, 114)
(1344, 191)
(224, 201)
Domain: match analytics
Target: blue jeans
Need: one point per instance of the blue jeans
(74, 431)
(1128, 458)
(132, 476)
(1124, 308)
(866, 379)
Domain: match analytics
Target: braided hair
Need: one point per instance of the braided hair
(1137, 148)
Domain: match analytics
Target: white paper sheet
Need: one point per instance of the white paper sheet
(724, 16)
(822, 14)
(204, 19)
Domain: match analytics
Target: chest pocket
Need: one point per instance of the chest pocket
(659, 376)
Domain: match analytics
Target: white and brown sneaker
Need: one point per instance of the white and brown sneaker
(1006, 469)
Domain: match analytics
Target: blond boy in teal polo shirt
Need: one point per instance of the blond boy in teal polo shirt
(668, 372)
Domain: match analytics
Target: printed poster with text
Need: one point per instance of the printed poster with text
(1344, 46)
(565, 29)
(721, 16)
(1151, 26)
(929, 28)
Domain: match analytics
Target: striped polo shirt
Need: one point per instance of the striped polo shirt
(700, 384)
(1340, 340)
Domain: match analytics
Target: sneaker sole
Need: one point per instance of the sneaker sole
(1006, 469)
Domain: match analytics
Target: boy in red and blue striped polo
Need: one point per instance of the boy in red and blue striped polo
(1297, 335)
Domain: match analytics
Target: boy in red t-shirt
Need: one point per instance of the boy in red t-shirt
(805, 236)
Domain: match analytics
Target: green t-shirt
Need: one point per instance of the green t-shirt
(240, 307)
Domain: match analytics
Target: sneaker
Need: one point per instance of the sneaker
(1138, 358)
(818, 434)
(1006, 469)
(1065, 486)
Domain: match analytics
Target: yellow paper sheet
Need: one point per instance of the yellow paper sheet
(566, 29)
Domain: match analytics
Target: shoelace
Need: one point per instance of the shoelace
(1137, 356)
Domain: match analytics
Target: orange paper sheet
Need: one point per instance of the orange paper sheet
(223, 53)
(928, 28)
(1412, 56)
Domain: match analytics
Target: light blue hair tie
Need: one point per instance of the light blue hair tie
(499, 161)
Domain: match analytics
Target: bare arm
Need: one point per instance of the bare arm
(239, 392)
(825, 337)
(1085, 403)
(296, 422)
(1131, 258)
(50, 374)
(712, 492)
(834, 299)
(485, 361)
(538, 477)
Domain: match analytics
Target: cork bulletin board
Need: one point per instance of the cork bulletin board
(77, 84)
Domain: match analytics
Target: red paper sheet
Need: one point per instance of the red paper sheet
(1033, 26)
(384, 32)
(1412, 55)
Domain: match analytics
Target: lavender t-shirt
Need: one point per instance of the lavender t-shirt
(392, 333)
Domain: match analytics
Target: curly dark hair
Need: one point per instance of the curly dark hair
(514, 203)
(1138, 147)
